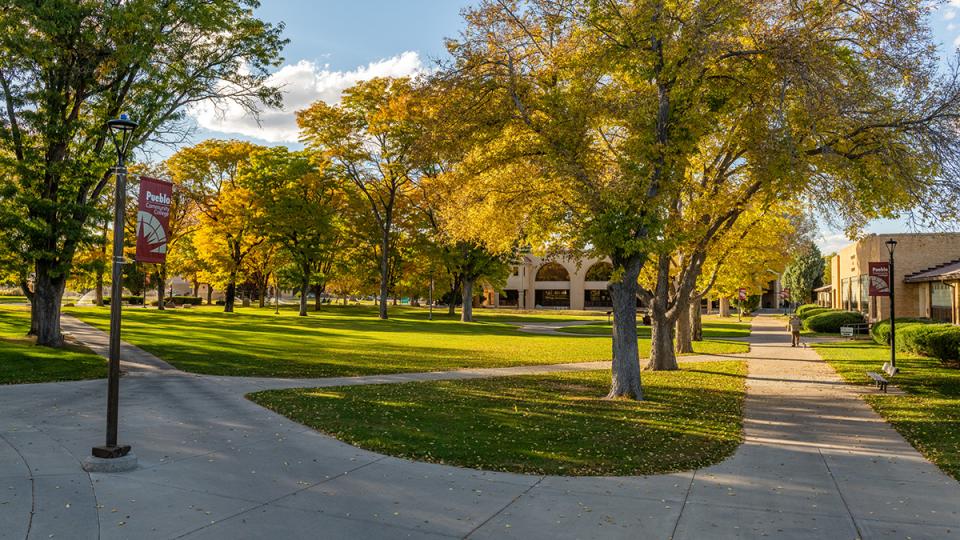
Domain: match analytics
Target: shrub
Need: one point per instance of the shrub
(944, 344)
(132, 300)
(881, 330)
(913, 338)
(831, 321)
(807, 313)
(191, 300)
(801, 310)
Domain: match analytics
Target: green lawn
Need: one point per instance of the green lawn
(538, 424)
(928, 416)
(713, 327)
(13, 299)
(23, 362)
(342, 341)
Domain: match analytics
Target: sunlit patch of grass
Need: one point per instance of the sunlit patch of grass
(928, 415)
(347, 341)
(23, 362)
(537, 424)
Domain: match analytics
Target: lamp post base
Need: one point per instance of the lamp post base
(127, 462)
(111, 452)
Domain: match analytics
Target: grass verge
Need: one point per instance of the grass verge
(537, 424)
(928, 415)
(23, 362)
(713, 327)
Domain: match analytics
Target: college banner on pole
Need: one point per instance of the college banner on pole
(879, 278)
(153, 219)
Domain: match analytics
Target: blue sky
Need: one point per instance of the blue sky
(334, 43)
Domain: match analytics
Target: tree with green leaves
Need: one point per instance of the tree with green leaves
(66, 67)
(298, 206)
(370, 138)
(804, 273)
(630, 121)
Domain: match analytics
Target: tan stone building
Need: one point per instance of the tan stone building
(557, 283)
(926, 277)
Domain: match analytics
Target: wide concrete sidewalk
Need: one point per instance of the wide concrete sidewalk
(816, 463)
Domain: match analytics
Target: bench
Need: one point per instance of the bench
(881, 381)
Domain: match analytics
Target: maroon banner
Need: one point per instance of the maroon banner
(153, 220)
(742, 294)
(879, 278)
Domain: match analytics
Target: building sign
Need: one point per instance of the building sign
(879, 279)
(153, 220)
(742, 294)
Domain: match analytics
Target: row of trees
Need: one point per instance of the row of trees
(683, 141)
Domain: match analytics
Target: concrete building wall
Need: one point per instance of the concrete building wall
(914, 253)
(524, 281)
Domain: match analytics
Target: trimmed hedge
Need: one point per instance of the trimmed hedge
(922, 336)
(807, 313)
(830, 321)
(801, 310)
(881, 330)
(132, 300)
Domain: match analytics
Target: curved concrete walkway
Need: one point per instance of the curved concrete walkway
(816, 463)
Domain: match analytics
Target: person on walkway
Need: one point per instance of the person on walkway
(795, 326)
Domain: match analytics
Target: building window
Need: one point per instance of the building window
(941, 302)
(602, 271)
(845, 293)
(594, 298)
(553, 272)
(516, 271)
(553, 298)
(510, 297)
(864, 294)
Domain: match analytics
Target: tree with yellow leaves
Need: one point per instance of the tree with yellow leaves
(226, 231)
(370, 138)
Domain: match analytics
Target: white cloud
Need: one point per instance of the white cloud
(949, 14)
(301, 84)
(830, 243)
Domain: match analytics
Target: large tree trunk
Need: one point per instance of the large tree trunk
(684, 343)
(384, 271)
(231, 294)
(662, 357)
(724, 306)
(45, 307)
(317, 292)
(466, 313)
(696, 320)
(263, 295)
(98, 289)
(625, 369)
(196, 288)
(209, 294)
(304, 288)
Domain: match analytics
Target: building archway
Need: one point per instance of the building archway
(552, 272)
(601, 271)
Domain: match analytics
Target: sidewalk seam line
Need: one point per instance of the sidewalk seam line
(508, 505)
(271, 501)
(683, 505)
(836, 484)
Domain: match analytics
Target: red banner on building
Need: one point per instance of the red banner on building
(879, 278)
(153, 220)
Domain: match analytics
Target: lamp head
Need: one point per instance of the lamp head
(891, 245)
(121, 130)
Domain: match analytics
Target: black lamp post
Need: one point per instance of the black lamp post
(121, 130)
(891, 246)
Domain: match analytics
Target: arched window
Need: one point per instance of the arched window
(602, 271)
(553, 272)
